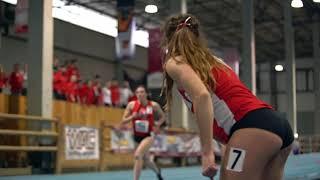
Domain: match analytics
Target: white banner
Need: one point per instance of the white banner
(81, 143)
(21, 16)
(122, 140)
(180, 144)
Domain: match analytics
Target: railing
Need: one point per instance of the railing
(309, 144)
(23, 133)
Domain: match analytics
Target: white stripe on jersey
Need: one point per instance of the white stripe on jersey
(222, 113)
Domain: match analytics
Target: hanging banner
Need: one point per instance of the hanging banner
(121, 141)
(154, 60)
(125, 47)
(181, 144)
(154, 51)
(81, 143)
(231, 56)
(21, 16)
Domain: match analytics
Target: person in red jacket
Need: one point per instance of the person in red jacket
(16, 80)
(72, 89)
(60, 80)
(72, 69)
(115, 93)
(258, 139)
(141, 113)
(90, 95)
(3, 79)
(83, 90)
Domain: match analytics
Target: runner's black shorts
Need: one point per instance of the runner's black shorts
(269, 120)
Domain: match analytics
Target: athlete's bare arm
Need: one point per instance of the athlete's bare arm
(128, 115)
(159, 112)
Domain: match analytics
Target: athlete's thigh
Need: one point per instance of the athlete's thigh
(248, 152)
(144, 146)
(275, 167)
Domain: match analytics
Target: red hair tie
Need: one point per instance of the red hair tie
(184, 24)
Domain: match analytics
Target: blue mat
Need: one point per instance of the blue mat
(304, 167)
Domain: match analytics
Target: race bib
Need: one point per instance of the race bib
(142, 126)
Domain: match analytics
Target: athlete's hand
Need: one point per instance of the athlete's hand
(135, 115)
(209, 167)
(156, 129)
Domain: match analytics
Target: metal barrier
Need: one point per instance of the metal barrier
(309, 144)
(22, 132)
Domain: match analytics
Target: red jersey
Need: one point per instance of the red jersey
(16, 82)
(90, 96)
(3, 80)
(72, 90)
(83, 90)
(143, 125)
(231, 102)
(60, 82)
(115, 95)
(72, 70)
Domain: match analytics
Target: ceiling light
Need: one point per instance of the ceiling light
(316, 1)
(296, 135)
(278, 68)
(296, 4)
(151, 8)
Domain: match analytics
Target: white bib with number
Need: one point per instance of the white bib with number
(142, 126)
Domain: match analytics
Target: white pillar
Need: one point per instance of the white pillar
(316, 54)
(248, 65)
(290, 66)
(40, 58)
(178, 116)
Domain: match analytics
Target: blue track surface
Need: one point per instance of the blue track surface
(298, 167)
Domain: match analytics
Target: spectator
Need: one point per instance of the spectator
(55, 64)
(72, 89)
(126, 94)
(115, 93)
(107, 94)
(90, 96)
(3, 79)
(83, 91)
(72, 69)
(16, 80)
(98, 98)
(59, 83)
(25, 79)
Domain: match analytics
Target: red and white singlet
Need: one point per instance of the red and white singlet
(143, 125)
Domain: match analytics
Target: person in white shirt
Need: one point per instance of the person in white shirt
(126, 93)
(107, 94)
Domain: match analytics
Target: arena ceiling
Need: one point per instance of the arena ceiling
(222, 23)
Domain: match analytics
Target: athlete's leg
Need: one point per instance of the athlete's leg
(274, 169)
(141, 150)
(248, 152)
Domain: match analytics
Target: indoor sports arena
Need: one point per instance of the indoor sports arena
(159, 89)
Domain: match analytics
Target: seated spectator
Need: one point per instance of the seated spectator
(126, 94)
(115, 93)
(16, 80)
(107, 94)
(3, 79)
(72, 69)
(72, 90)
(60, 80)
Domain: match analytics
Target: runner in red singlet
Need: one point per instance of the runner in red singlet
(258, 140)
(141, 113)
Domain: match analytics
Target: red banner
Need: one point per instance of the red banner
(154, 51)
(21, 17)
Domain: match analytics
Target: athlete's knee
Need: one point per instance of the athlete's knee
(138, 156)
